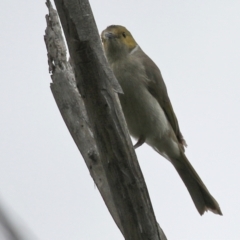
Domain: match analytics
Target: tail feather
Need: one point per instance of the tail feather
(201, 197)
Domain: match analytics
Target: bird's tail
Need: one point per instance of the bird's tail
(201, 197)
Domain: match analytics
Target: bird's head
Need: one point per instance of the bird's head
(118, 42)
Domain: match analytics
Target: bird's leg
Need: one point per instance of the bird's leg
(140, 142)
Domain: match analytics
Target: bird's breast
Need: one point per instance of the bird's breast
(142, 111)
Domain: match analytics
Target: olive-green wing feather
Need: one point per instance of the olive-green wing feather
(157, 88)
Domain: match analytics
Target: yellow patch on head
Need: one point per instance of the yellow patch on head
(122, 34)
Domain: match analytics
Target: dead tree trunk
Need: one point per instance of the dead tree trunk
(87, 97)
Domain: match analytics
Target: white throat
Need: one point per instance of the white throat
(134, 50)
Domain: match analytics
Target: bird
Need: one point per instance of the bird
(148, 110)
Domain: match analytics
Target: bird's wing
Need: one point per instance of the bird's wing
(157, 88)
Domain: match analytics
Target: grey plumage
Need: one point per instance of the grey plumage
(148, 110)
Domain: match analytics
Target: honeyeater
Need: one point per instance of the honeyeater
(148, 111)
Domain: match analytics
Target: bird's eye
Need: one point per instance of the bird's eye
(124, 34)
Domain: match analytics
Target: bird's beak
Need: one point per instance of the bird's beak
(108, 35)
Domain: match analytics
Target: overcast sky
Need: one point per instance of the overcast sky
(44, 183)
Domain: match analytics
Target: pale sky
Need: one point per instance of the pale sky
(44, 183)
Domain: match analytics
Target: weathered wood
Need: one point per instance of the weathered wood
(95, 119)
(72, 108)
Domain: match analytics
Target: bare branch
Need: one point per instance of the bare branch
(8, 228)
(95, 119)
